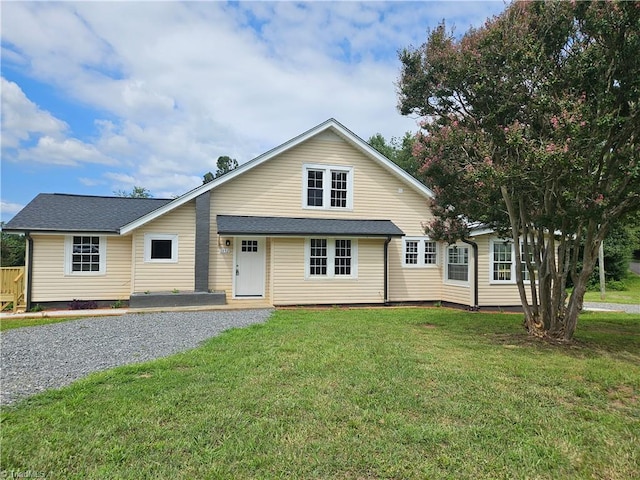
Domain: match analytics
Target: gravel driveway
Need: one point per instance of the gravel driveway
(35, 359)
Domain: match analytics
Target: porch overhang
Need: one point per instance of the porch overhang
(234, 225)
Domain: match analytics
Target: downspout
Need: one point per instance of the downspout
(27, 295)
(474, 245)
(386, 270)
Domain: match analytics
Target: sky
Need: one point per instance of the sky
(99, 97)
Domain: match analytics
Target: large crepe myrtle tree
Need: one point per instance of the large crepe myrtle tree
(530, 125)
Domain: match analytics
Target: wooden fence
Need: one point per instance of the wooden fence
(12, 288)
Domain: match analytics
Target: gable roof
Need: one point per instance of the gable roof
(287, 226)
(55, 212)
(331, 124)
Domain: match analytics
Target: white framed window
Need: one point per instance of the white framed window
(457, 266)
(419, 252)
(160, 248)
(502, 262)
(327, 187)
(331, 258)
(523, 263)
(85, 255)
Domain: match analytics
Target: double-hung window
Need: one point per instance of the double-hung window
(457, 264)
(503, 264)
(327, 187)
(85, 255)
(331, 257)
(501, 256)
(420, 252)
(523, 259)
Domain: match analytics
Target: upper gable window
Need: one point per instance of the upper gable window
(327, 187)
(85, 255)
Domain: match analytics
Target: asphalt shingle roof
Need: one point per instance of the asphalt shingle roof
(246, 225)
(81, 213)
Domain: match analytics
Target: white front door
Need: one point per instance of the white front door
(250, 267)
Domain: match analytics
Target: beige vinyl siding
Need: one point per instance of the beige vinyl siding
(413, 283)
(291, 288)
(50, 284)
(158, 277)
(494, 294)
(275, 188)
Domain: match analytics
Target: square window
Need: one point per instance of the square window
(160, 248)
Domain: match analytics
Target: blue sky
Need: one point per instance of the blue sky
(99, 97)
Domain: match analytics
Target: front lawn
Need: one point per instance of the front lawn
(351, 394)
(11, 323)
(630, 295)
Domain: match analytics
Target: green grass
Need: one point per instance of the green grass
(10, 323)
(352, 394)
(630, 296)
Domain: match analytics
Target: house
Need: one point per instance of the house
(321, 219)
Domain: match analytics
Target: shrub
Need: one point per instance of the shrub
(83, 305)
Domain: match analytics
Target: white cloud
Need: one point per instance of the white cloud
(178, 84)
(21, 118)
(67, 152)
(8, 208)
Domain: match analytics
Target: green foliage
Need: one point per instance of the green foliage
(207, 177)
(531, 126)
(13, 249)
(399, 151)
(137, 192)
(405, 393)
(117, 304)
(225, 164)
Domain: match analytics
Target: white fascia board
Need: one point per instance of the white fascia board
(328, 124)
(481, 231)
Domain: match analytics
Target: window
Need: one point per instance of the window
(343, 257)
(525, 271)
(85, 255)
(160, 248)
(318, 257)
(458, 264)
(430, 253)
(338, 189)
(411, 252)
(250, 246)
(314, 188)
(329, 258)
(327, 187)
(501, 255)
(420, 252)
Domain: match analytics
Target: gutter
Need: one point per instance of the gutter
(474, 245)
(386, 270)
